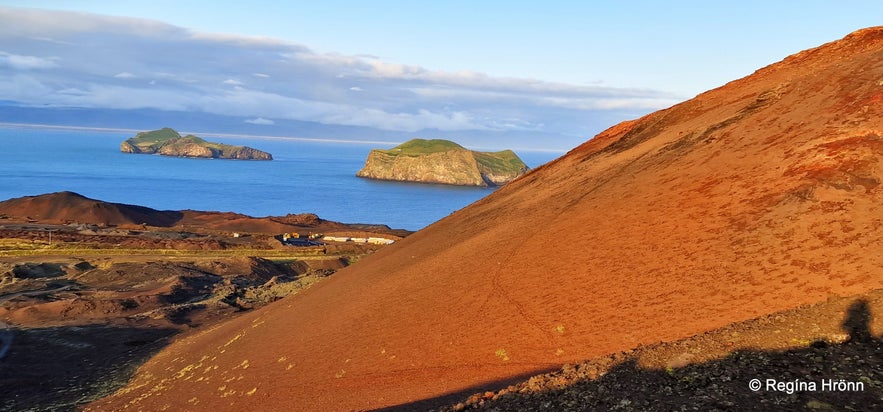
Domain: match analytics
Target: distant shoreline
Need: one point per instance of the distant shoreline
(210, 134)
(235, 135)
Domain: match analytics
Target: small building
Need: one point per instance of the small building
(380, 241)
(373, 240)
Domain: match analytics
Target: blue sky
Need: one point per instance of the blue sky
(452, 65)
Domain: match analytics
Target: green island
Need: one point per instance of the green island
(444, 162)
(168, 142)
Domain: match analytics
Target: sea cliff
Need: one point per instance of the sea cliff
(444, 162)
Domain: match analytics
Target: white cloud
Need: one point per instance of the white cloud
(260, 121)
(194, 71)
(23, 62)
(24, 88)
(50, 40)
(601, 99)
(55, 25)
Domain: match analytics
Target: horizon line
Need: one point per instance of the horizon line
(246, 136)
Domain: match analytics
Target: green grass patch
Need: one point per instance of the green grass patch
(505, 160)
(499, 162)
(417, 147)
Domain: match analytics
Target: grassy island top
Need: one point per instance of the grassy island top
(164, 135)
(505, 160)
(156, 136)
(417, 147)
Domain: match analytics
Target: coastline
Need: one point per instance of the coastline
(10, 125)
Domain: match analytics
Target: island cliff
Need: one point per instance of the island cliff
(168, 142)
(442, 161)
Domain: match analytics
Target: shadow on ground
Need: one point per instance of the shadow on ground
(820, 375)
(456, 396)
(58, 368)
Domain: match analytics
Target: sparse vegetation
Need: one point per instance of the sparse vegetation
(503, 160)
(418, 147)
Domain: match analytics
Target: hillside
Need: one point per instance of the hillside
(66, 207)
(801, 349)
(756, 197)
(442, 161)
(168, 142)
(88, 293)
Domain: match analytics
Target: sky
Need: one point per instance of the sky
(562, 68)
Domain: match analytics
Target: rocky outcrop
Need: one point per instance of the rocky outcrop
(128, 147)
(245, 153)
(168, 142)
(444, 162)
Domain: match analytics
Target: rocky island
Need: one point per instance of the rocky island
(442, 161)
(168, 142)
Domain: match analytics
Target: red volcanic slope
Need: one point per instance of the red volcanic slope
(63, 207)
(755, 197)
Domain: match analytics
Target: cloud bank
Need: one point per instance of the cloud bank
(52, 58)
(261, 121)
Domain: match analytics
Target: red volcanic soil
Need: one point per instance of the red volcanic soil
(69, 207)
(756, 197)
(64, 207)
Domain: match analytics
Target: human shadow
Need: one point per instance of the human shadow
(58, 368)
(819, 375)
(857, 322)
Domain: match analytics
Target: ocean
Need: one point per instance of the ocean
(304, 177)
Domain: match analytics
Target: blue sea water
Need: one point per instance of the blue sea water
(304, 177)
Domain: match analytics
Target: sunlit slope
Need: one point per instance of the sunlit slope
(755, 197)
